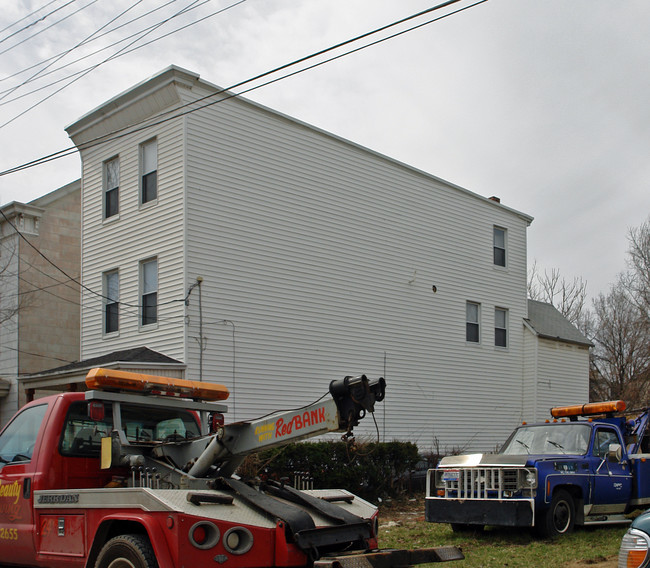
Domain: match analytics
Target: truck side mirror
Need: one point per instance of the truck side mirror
(614, 453)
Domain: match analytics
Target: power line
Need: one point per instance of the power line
(90, 69)
(134, 128)
(62, 55)
(27, 16)
(36, 21)
(44, 61)
(115, 56)
(48, 27)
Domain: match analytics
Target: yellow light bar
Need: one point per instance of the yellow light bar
(101, 379)
(589, 408)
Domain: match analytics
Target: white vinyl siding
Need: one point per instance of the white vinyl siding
(135, 236)
(309, 246)
(319, 259)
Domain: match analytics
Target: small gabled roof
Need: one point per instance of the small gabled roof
(545, 321)
(141, 358)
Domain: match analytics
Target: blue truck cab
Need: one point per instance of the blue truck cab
(589, 464)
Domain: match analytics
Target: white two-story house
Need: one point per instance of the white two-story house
(272, 257)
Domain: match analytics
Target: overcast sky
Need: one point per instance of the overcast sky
(545, 104)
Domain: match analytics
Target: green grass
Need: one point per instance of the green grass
(499, 547)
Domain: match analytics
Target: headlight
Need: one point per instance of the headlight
(634, 549)
(531, 479)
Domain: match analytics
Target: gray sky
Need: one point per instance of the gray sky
(545, 104)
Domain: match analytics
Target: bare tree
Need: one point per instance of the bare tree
(620, 362)
(567, 296)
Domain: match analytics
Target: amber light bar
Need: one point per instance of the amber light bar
(588, 409)
(111, 379)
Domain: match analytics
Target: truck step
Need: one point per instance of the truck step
(607, 520)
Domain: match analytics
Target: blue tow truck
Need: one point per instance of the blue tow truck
(589, 464)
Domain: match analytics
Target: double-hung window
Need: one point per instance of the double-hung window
(149, 292)
(472, 326)
(149, 171)
(499, 236)
(111, 301)
(500, 327)
(111, 187)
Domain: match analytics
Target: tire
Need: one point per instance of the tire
(127, 551)
(559, 518)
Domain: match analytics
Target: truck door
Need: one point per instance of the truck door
(17, 469)
(612, 479)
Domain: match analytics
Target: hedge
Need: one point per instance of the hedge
(370, 470)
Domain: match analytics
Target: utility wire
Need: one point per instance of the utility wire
(44, 61)
(62, 55)
(48, 27)
(36, 21)
(90, 69)
(133, 128)
(115, 56)
(27, 16)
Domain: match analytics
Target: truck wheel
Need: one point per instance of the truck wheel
(127, 551)
(559, 518)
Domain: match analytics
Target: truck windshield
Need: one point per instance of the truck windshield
(557, 438)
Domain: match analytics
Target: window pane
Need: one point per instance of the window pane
(112, 174)
(472, 312)
(112, 317)
(19, 438)
(471, 333)
(150, 277)
(499, 238)
(500, 318)
(112, 286)
(500, 337)
(149, 187)
(111, 202)
(149, 157)
(149, 311)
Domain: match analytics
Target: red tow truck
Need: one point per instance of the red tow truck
(139, 472)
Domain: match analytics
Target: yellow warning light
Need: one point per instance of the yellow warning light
(589, 408)
(103, 379)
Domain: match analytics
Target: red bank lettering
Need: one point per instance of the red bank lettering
(299, 422)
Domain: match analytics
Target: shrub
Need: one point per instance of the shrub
(370, 470)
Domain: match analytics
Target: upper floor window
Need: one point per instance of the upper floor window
(149, 171)
(149, 295)
(472, 327)
(499, 246)
(111, 187)
(500, 327)
(111, 301)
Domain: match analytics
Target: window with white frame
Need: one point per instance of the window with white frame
(149, 295)
(501, 327)
(111, 187)
(472, 327)
(111, 301)
(499, 246)
(149, 171)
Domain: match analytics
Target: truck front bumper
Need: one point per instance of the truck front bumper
(498, 512)
(390, 558)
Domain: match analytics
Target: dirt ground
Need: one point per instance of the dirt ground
(412, 511)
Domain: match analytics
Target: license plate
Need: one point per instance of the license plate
(451, 475)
